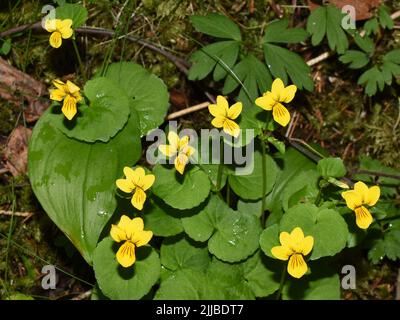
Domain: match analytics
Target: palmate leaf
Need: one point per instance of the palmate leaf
(356, 59)
(388, 246)
(282, 62)
(216, 25)
(326, 21)
(217, 56)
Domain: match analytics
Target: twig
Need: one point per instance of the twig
(186, 111)
(16, 214)
(83, 296)
(318, 59)
(376, 174)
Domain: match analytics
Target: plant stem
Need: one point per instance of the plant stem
(283, 278)
(221, 165)
(228, 194)
(79, 60)
(264, 181)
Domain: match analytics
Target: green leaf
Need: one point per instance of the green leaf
(164, 221)
(384, 17)
(107, 113)
(5, 47)
(373, 80)
(321, 284)
(217, 56)
(278, 31)
(371, 26)
(121, 283)
(392, 56)
(303, 188)
(292, 164)
(249, 187)
(181, 191)
(232, 235)
(77, 13)
(269, 238)
(389, 246)
(278, 144)
(356, 59)
(250, 207)
(180, 252)
(148, 93)
(331, 167)
(283, 64)
(326, 226)
(327, 21)
(216, 25)
(365, 43)
(67, 177)
(189, 284)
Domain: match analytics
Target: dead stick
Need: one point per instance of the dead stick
(186, 111)
(17, 214)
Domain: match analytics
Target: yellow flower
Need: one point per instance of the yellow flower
(358, 197)
(136, 182)
(131, 232)
(271, 100)
(294, 247)
(224, 116)
(69, 92)
(178, 148)
(60, 29)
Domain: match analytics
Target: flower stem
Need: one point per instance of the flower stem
(264, 181)
(221, 165)
(282, 283)
(79, 60)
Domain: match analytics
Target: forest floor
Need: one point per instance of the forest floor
(336, 116)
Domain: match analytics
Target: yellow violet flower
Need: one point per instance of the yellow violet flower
(131, 232)
(70, 93)
(294, 247)
(178, 148)
(60, 29)
(358, 197)
(136, 182)
(272, 100)
(224, 116)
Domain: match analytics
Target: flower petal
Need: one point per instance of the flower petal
(297, 267)
(231, 128)
(234, 111)
(142, 238)
(183, 142)
(287, 94)
(281, 114)
(352, 198)
(124, 223)
(59, 84)
(284, 239)
(138, 199)
(277, 89)
(72, 87)
(57, 94)
(173, 139)
(220, 109)
(50, 25)
(125, 185)
(296, 240)
(362, 189)
(180, 162)
(55, 39)
(373, 195)
(266, 102)
(167, 150)
(126, 254)
(65, 28)
(130, 175)
(133, 227)
(69, 107)
(117, 233)
(281, 252)
(363, 217)
(218, 121)
(147, 181)
(308, 244)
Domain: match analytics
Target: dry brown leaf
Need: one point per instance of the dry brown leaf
(364, 8)
(18, 87)
(15, 155)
